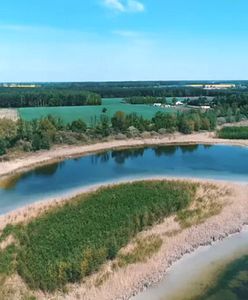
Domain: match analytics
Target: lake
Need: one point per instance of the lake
(211, 162)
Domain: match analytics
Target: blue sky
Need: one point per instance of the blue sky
(101, 40)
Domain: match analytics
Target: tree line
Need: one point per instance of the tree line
(233, 107)
(145, 100)
(43, 133)
(16, 97)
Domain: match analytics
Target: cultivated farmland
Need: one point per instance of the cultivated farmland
(91, 114)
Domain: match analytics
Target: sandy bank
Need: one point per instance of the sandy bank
(30, 160)
(126, 282)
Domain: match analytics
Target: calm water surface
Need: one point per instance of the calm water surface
(214, 162)
(217, 272)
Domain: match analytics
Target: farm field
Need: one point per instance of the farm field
(91, 114)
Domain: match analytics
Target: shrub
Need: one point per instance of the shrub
(233, 132)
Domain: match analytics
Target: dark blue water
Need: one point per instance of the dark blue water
(214, 162)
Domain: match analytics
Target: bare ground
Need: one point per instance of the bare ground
(9, 113)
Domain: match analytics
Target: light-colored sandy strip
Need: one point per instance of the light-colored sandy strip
(9, 113)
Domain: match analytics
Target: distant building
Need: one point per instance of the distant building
(205, 106)
(218, 86)
(157, 104)
(178, 103)
(214, 86)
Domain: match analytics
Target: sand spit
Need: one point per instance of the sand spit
(31, 160)
(123, 283)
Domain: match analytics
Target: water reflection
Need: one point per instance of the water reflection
(121, 156)
(165, 150)
(215, 162)
(47, 170)
(10, 182)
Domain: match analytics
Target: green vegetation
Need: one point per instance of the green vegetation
(73, 241)
(145, 100)
(91, 115)
(143, 249)
(128, 89)
(39, 97)
(233, 107)
(7, 261)
(45, 132)
(233, 132)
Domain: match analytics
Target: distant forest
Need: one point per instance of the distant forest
(42, 97)
(90, 93)
(127, 89)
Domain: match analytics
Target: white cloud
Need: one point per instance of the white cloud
(115, 4)
(126, 33)
(124, 5)
(135, 6)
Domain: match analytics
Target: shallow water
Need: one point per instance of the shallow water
(212, 162)
(217, 272)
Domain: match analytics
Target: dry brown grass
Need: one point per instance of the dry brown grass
(140, 251)
(209, 201)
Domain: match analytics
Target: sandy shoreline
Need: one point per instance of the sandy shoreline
(31, 160)
(122, 284)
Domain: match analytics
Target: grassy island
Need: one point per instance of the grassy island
(72, 241)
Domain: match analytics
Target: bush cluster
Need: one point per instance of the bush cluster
(233, 132)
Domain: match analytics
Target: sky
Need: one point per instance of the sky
(115, 40)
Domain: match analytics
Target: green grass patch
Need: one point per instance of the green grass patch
(7, 261)
(73, 241)
(233, 132)
(90, 114)
(143, 249)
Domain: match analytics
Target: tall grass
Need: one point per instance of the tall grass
(73, 241)
(233, 132)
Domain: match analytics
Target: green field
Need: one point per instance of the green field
(90, 114)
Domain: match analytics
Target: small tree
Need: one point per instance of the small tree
(119, 121)
(78, 126)
(187, 126)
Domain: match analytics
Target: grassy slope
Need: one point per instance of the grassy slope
(71, 242)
